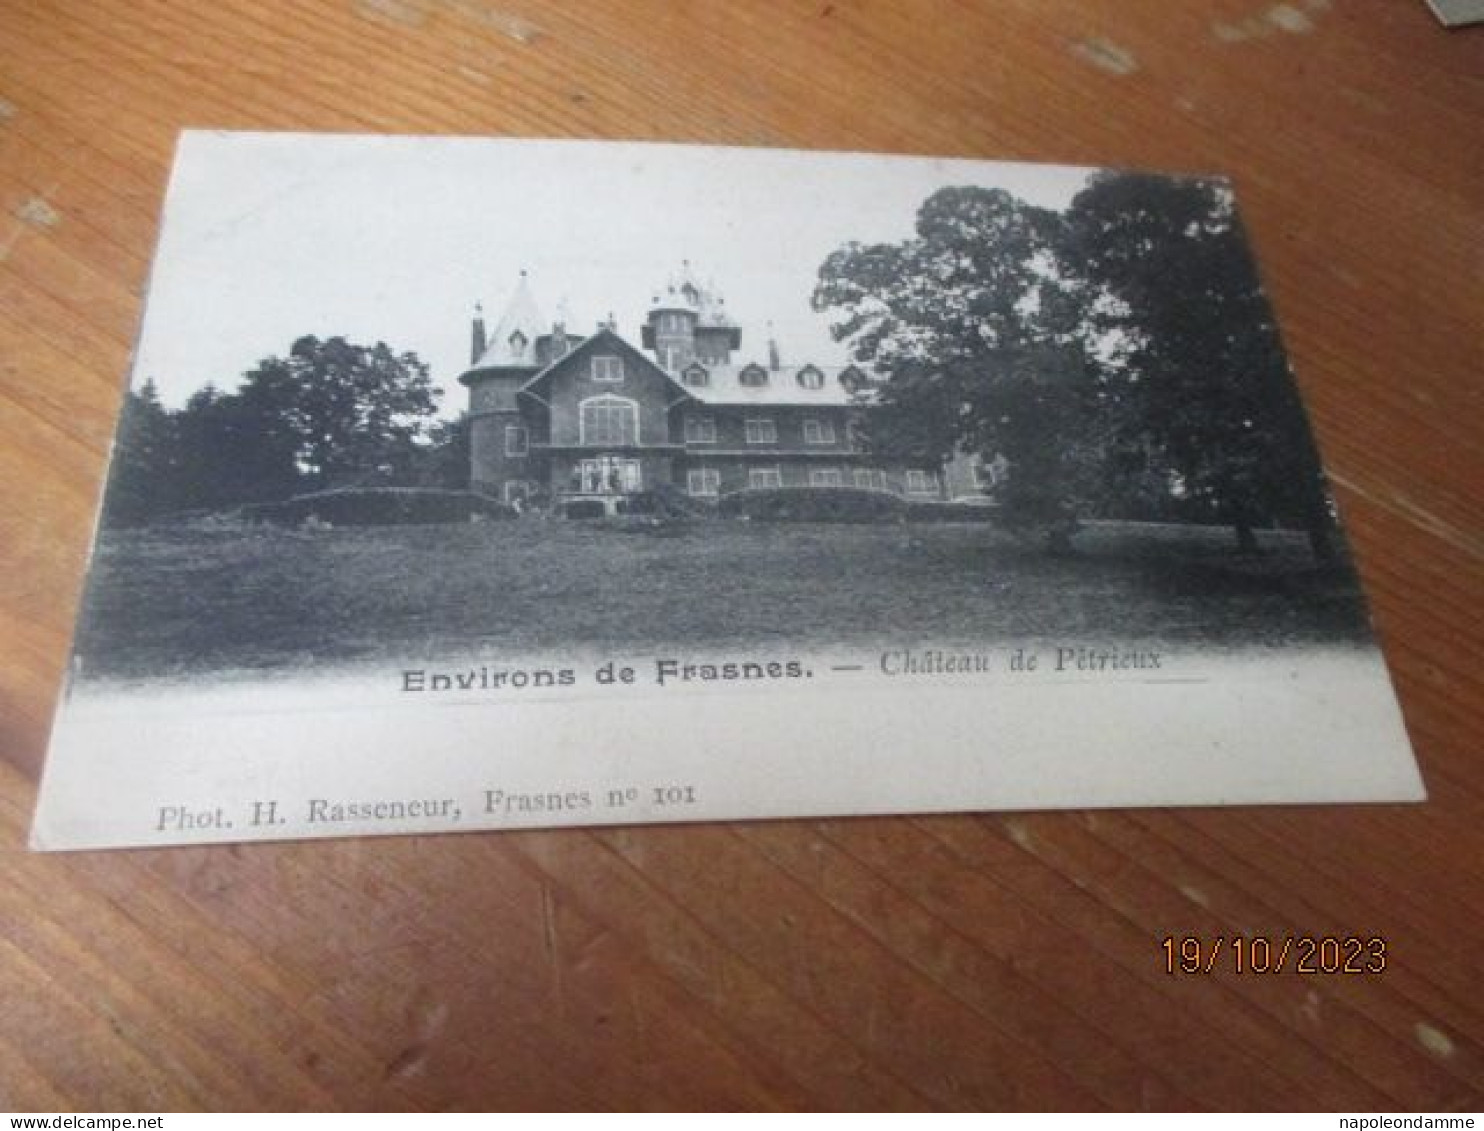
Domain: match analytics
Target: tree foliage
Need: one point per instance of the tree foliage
(232, 448)
(1122, 347)
(143, 477)
(329, 414)
(353, 412)
(444, 461)
(978, 336)
(1204, 376)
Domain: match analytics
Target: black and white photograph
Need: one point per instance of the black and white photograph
(468, 484)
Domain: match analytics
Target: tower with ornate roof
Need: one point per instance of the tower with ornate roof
(521, 344)
(688, 322)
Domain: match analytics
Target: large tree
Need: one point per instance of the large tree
(1203, 378)
(234, 448)
(143, 478)
(1121, 347)
(355, 412)
(329, 414)
(979, 335)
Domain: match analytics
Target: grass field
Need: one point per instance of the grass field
(171, 602)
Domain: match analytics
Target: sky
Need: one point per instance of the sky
(268, 237)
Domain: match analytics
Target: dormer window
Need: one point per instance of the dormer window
(754, 376)
(696, 377)
(852, 379)
(607, 368)
(518, 343)
(811, 378)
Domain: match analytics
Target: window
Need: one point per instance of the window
(517, 491)
(764, 478)
(697, 377)
(819, 431)
(870, 479)
(700, 430)
(824, 477)
(754, 376)
(984, 476)
(515, 440)
(760, 431)
(518, 344)
(921, 483)
(703, 481)
(811, 378)
(609, 422)
(607, 368)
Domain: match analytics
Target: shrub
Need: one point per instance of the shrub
(584, 508)
(813, 504)
(672, 502)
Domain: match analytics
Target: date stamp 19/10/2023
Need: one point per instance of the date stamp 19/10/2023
(1261, 954)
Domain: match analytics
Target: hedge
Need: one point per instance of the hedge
(379, 506)
(924, 510)
(813, 504)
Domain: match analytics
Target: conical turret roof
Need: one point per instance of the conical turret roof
(513, 341)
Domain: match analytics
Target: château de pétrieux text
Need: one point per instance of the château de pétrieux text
(671, 671)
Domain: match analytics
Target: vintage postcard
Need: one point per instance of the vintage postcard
(468, 484)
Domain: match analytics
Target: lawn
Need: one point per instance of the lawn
(166, 602)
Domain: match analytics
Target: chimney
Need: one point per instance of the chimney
(774, 363)
(479, 343)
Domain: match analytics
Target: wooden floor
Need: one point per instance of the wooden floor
(990, 961)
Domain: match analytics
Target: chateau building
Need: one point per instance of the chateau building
(583, 423)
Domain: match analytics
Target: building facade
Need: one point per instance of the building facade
(581, 424)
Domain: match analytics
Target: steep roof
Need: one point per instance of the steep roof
(724, 385)
(603, 336)
(513, 342)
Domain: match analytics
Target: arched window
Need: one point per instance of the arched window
(811, 378)
(609, 422)
(754, 375)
